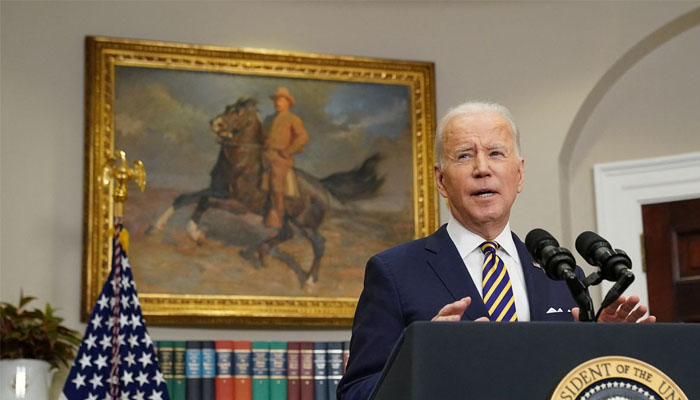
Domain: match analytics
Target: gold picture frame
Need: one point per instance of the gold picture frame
(127, 77)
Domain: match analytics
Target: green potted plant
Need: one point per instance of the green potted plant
(33, 343)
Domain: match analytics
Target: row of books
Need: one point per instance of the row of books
(252, 370)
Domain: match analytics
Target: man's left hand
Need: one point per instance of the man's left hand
(621, 310)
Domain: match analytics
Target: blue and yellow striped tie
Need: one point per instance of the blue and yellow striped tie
(497, 290)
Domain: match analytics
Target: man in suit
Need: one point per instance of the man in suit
(447, 275)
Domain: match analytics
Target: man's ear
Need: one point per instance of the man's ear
(521, 171)
(439, 180)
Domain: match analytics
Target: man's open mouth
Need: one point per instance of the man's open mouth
(484, 193)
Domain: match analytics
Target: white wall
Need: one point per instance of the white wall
(541, 59)
(651, 110)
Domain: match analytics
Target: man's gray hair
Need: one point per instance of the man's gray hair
(473, 107)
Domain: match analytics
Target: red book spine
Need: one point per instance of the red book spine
(242, 370)
(306, 361)
(293, 371)
(224, 369)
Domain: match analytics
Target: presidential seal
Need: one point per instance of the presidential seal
(617, 378)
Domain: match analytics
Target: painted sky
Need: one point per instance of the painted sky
(162, 117)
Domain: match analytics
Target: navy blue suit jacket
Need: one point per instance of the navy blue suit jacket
(412, 282)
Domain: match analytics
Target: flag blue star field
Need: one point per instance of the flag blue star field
(116, 360)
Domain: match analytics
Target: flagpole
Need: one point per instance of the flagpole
(116, 359)
(117, 170)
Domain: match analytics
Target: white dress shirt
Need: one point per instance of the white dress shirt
(468, 243)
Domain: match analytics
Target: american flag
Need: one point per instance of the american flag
(116, 360)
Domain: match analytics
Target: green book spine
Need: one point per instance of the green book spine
(179, 386)
(165, 358)
(278, 370)
(156, 347)
(261, 370)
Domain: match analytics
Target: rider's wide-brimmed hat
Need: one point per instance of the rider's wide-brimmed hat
(283, 92)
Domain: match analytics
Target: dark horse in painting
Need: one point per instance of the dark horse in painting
(236, 186)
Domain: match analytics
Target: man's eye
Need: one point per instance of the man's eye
(497, 154)
(464, 156)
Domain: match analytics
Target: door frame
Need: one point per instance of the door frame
(621, 188)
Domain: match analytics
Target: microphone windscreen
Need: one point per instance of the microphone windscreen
(537, 236)
(587, 241)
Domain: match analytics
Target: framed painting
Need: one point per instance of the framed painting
(272, 177)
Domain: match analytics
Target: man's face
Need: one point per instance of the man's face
(481, 172)
(281, 103)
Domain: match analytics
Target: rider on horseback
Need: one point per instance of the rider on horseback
(285, 138)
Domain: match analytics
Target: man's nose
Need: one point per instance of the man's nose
(481, 166)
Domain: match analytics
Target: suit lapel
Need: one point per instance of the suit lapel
(444, 259)
(535, 279)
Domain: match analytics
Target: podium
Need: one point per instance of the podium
(528, 360)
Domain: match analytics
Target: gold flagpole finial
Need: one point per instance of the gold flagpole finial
(117, 169)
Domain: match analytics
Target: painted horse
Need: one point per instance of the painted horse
(236, 186)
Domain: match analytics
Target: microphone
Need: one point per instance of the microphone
(558, 262)
(614, 264)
